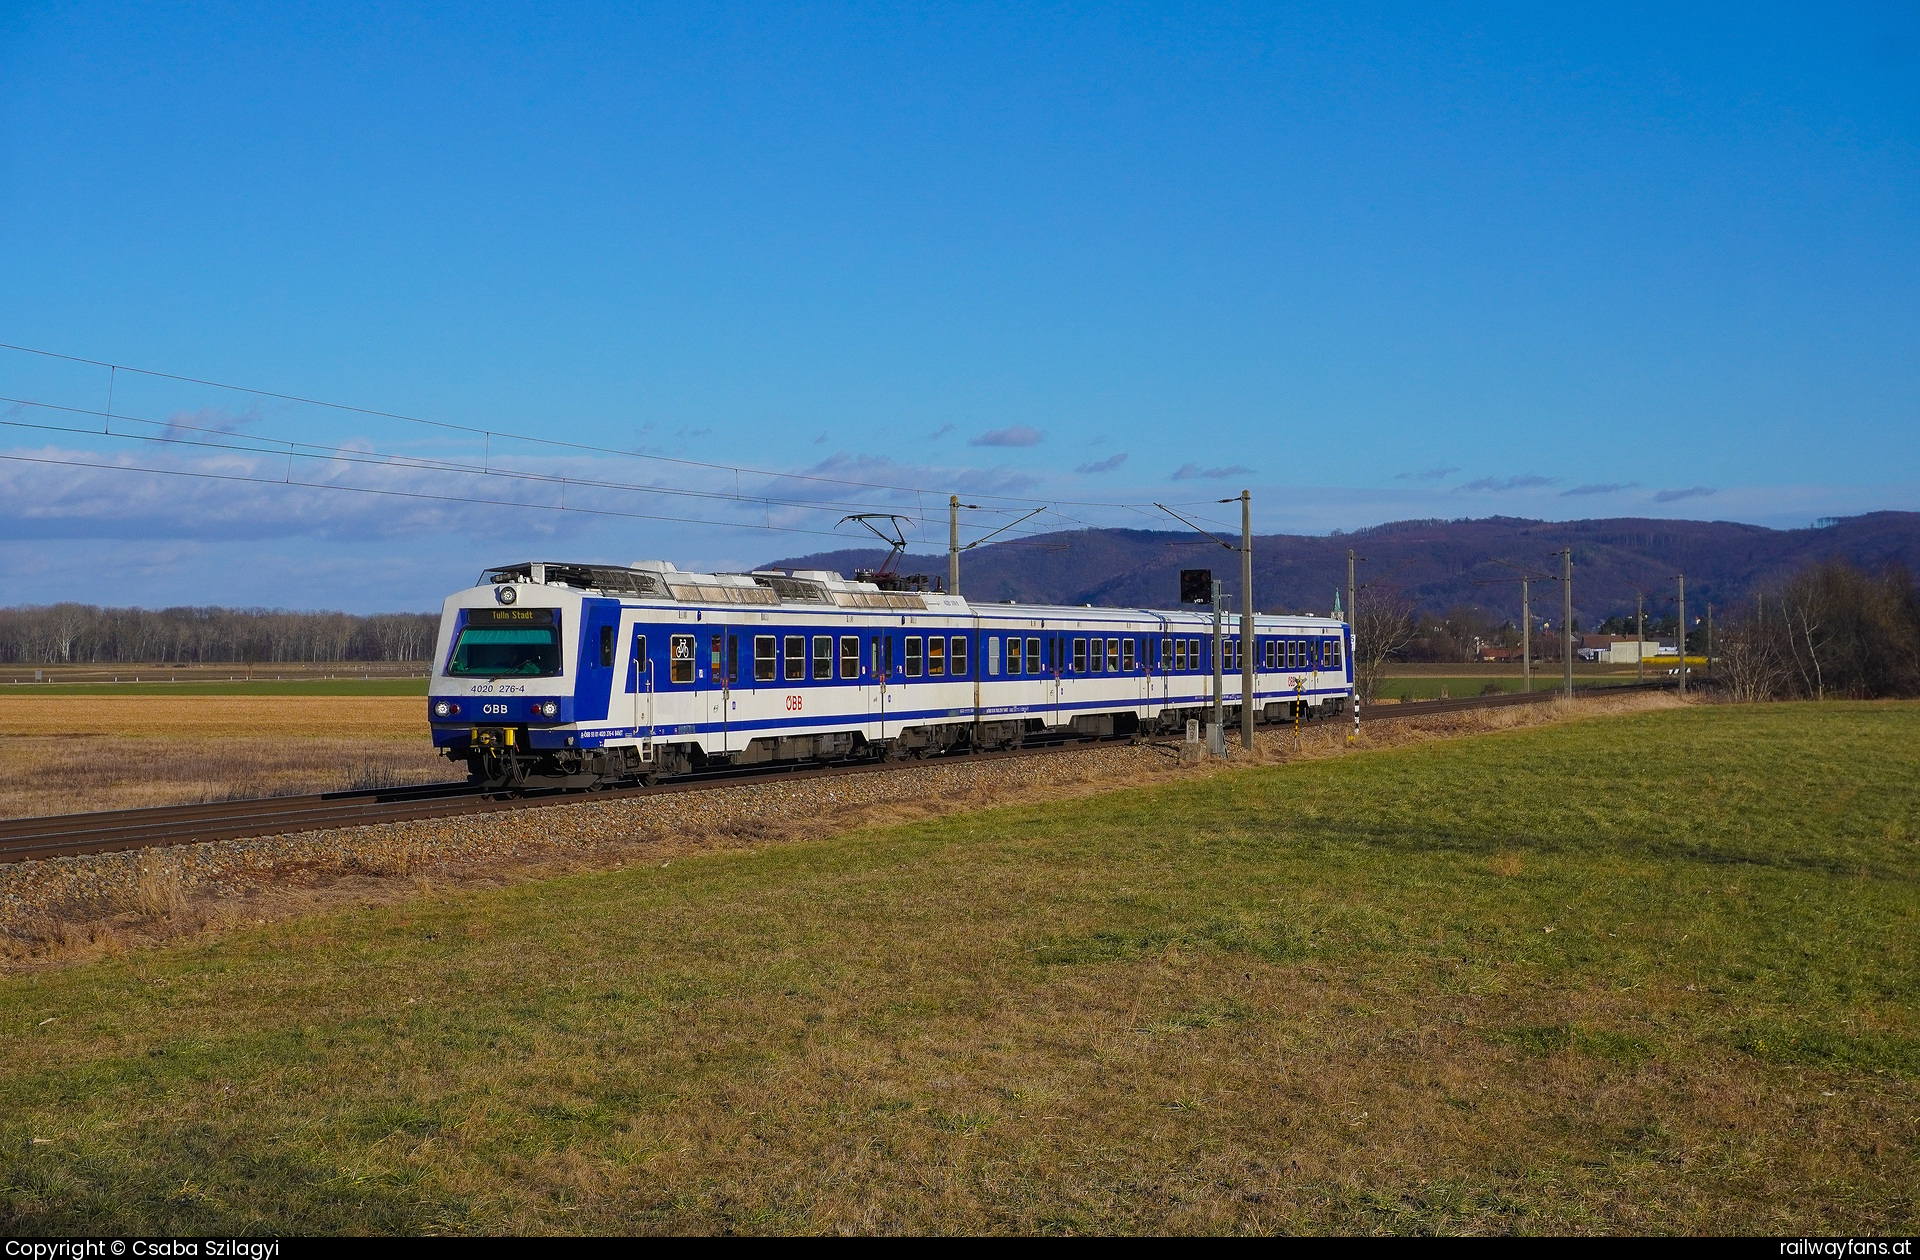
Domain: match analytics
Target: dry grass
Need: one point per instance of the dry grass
(215, 717)
(74, 754)
(390, 865)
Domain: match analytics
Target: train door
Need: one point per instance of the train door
(640, 683)
(714, 691)
(1056, 648)
(890, 698)
(728, 687)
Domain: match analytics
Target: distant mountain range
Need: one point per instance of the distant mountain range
(1438, 564)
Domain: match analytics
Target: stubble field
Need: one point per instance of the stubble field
(73, 753)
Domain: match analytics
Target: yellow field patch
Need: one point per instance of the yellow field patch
(212, 717)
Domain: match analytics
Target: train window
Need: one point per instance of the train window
(1179, 653)
(1294, 653)
(733, 658)
(1126, 654)
(1193, 654)
(993, 656)
(959, 657)
(1079, 656)
(606, 647)
(823, 658)
(913, 656)
(1333, 654)
(886, 655)
(1098, 658)
(714, 667)
(1016, 664)
(682, 649)
(796, 664)
(1033, 656)
(849, 657)
(763, 662)
(936, 656)
(492, 652)
(1113, 656)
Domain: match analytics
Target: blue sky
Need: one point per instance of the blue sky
(1412, 262)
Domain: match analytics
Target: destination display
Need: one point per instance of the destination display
(510, 616)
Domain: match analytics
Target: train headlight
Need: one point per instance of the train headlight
(504, 594)
(442, 709)
(549, 709)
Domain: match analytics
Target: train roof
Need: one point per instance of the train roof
(816, 588)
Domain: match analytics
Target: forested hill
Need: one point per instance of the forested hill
(1439, 564)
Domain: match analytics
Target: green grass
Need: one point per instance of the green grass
(1656, 973)
(255, 687)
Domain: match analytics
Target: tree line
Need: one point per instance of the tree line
(1831, 630)
(62, 634)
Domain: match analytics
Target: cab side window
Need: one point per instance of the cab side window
(606, 646)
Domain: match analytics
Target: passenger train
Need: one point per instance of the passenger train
(577, 675)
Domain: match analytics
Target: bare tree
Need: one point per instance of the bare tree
(1804, 616)
(1747, 656)
(1383, 626)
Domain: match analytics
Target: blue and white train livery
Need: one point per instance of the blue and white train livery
(577, 674)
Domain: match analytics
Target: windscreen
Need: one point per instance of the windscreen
(493, 651)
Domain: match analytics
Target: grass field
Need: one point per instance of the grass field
(68, 753)
(1518, 982)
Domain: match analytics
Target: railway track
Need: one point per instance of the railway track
(73, 835)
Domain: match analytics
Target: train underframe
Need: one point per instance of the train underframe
(512, 766)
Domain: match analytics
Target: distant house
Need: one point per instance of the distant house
(1491, 653)
(1621, 649)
